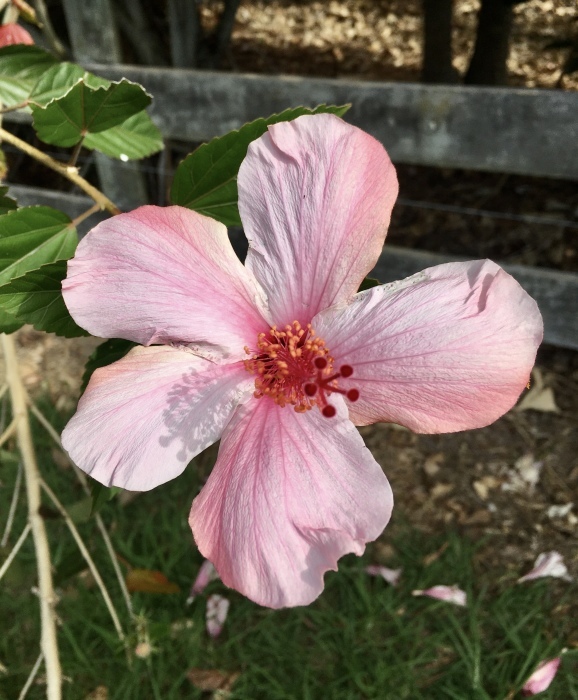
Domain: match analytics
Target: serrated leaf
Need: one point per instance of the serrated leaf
(36, 298)
(137, 137)
(31, 237)
(105, 354)
(6, 203)
(83, 109)
(20, 68)
(58, 80)
(368, 283)
(206, 180)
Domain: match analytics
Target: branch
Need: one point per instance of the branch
(87, 558)
(70, 173)
(13, 504)
(31, 677)
(48, 642)
(15, 549)
(41, 418)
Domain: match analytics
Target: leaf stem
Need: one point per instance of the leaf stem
(75, 153)
(31, 677)
(48, 642)
(19, 542)
(89, 212)
(71, 173)
(13, 504)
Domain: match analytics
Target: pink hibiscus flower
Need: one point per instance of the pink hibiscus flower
(280, 358)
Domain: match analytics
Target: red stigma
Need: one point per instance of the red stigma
(294, 367)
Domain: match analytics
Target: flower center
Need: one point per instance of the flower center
(294, 367)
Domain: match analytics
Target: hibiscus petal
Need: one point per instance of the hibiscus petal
(448, 349)
(143, 418)
(162, 275)
(216, 614)
(315, 197)
(449, 594)
(289, 495)
(542, 677)
(387, 574)
(548, 564)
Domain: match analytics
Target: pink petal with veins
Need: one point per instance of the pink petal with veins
(542, 677)
(315, 198)
(142, 419)
(165, 275)
(289, 495)
(449, 594)
(448, 349)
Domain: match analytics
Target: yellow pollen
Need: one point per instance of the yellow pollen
(283, 361)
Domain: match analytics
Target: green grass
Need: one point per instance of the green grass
(361, 639)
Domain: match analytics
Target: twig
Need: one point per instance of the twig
(89, 212)
(48, 642)
(31, 677)
(71, 173)
(8, 433)
(15, 549)
(55, 43)
(41, 418)
(75, 153)
(87, 558)
(3, 390)
(13, 504)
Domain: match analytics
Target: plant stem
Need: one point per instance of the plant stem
(31, 677)
(19, 542)
(48, 642)
(75, 154)
(87, 558)
(100, 524)
(89, 212)
(13, 504)
(71, 173)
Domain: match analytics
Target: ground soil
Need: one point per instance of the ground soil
(512, 485)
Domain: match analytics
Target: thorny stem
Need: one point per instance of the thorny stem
(69, 172)
(41, 418)
(87, 558)
(48, 642)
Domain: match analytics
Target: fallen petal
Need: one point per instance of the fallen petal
(542, 677)
(449, 594)
(207, 573)
(548, 564)
(389, 575)
(217, 610)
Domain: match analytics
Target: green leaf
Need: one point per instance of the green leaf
(8, 324)
(36, 298)
(20, 68)
(137, 137)
(100, 494)
(368, 283)
(105, 354)
(58, 80)
(6, 203)
(31, 237)
(82, 110)
(206, 180)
